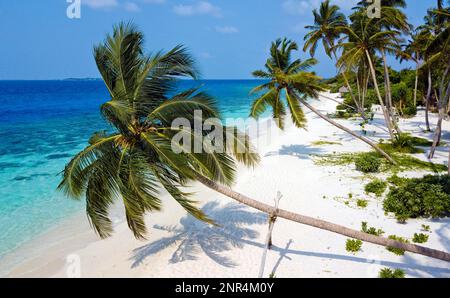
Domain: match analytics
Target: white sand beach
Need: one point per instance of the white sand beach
(180, 246)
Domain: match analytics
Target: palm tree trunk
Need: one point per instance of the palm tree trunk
(427, 101)
(321, 224)
(389, 93)
(442, 104)
(377, 90)
(350, 90)
(416, 84)
(365, 140)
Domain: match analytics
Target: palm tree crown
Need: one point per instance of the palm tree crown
(135, 162)
(326, 23)
(285, 76)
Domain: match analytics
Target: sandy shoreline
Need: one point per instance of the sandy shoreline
(178, 246)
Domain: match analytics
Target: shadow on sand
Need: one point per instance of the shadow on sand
(193, 236)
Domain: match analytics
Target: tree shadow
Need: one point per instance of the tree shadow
(283, 255)
(299, 151)
(193, 236)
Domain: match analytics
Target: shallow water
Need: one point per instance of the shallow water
(42, 125)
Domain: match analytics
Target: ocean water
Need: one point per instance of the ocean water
(42, 125)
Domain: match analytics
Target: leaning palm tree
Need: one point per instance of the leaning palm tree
(135, 161)
(290, 79)
(327, 20)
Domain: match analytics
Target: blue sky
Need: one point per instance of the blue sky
(229, 38)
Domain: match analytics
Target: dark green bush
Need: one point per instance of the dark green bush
(376, 187)
(420, 197)
(389, 273)
(368, 163)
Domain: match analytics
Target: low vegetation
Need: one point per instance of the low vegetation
(420, 197)
(368, 163)
(353, 245)
(405, 162)
(389, 273)
(397, 251)
(376, 187)
(324, 143)
(362, 203)
(371, 230)
(405, 143)
(420, 238)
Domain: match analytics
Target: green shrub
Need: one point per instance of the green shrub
(397, 251)
(420, 238)
(353, 245)
(371, 230)
(376, 187)
(389, 273)
(368, 163)
(361, 203)
(421, 197)
(396, 180)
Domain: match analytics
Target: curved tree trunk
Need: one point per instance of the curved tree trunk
(427, 101)
(321, 224)
(390, 105)
(387, 119)
(442, 104)
(365, 140)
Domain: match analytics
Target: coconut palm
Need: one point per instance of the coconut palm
(326, 21)
(290, 79)
(363, 40)
(134, 161)
(394, 20)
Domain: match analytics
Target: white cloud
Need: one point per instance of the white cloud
(205, 55)
(227, 29)
(303, 7)
(100, 3)
(296, 7)
(131, 7)
(199, 8)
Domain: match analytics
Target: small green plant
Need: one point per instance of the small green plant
(426, 228)
(420, 238)
(350, 195)
(353, 245)
(368, 163)
(376, 187)
(397, 251)
(389, 273)
(371, 230)
(361, 203)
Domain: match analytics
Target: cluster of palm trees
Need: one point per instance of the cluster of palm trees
(134, 161)
(360, 43)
